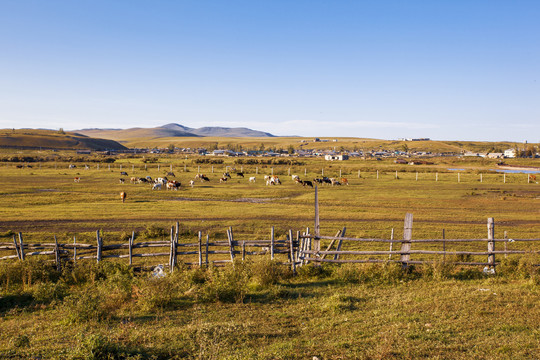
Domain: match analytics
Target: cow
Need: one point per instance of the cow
(122, 180)
(71, 166)
(170, 173)
(77, 179)
(326, 180)
(344, 181)
(162, 181)
(19, 166)
(191, 183)
(334, 182)
(202, 177)
(273, 180)
(123, 196)
(318, 181)
(226, 174)
(123, 173)
(86, 167)
(143, 180)
(134, 180)
(307, 183)
(252, 179)
(149, 178)
(173, 185)
(223, 179)
(295, 178)
(241, 174)
(156, 186)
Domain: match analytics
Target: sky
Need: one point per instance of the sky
(446, 70)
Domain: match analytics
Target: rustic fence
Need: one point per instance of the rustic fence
(297, 249)
(310, 248)
(197, 253)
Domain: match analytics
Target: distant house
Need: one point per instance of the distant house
(223, 153)
(83, 152)
(495, 155)
(510, 153)
(332, 157)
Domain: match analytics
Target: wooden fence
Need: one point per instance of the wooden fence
(310, 248)
(197, 253)
(298, 248)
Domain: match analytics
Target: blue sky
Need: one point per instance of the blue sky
(448, 70)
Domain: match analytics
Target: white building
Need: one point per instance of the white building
(332, 157)
(510, 153)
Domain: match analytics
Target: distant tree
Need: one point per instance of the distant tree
(171, 147)
(213, 146)
(290, 150)
(261, 147)
(61, 131)
(405, 148)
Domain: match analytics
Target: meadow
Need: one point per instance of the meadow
(258, 309)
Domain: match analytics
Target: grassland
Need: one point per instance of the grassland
(342, 312)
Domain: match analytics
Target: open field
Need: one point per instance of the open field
(335, 312)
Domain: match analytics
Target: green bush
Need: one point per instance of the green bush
(267, 272)
(87, 304)
(226, 285)
(50, 292)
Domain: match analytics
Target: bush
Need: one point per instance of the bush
(19, 274)
(86, 304)
(50, 292)
(226, 285)
(154, 231)
(267, 272)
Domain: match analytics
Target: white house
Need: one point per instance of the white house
(510, 153)
(332, 157)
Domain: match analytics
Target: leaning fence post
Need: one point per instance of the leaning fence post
(99, 246)
(16, 248)
(444, 244)
(231, 244)
(130, 245)
(491, 241)
(172, 254)
(340, 243)
(317, 241)
(272, 243)
(21, 245)
(407, 237)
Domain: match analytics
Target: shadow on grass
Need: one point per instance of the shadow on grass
(19, 301)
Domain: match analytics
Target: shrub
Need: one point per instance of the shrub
(50, 292)
(266, 272)
(226, 285)
(154, 231)
(86, 304)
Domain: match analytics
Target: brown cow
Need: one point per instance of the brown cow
(123, 196)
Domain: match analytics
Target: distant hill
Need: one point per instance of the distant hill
(171, 130)
(53, 139)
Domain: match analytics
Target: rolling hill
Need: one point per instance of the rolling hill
(171, 131)
(53, 139)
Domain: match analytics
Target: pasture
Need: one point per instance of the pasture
(257, 310)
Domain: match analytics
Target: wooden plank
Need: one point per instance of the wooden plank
(491, 243)
(316, 240)
(231, 241)
(74, 249)
(407, 237)
(206, 252)
(332, 242)
(391, 244)
(243, 251)
(57, 255)
(340, 242)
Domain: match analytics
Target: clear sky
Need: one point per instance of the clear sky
(448, 70)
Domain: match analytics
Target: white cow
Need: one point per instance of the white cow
(252, 179)
(191, 183)
(156, 186)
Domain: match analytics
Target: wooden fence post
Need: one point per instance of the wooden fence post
(21, 245)
(272, 243)
(444, 244)
(377, 174)
(243, 250)
(231, 244)
(206, 252)
(200, 248)
(505, 245)
(407, 237)
(436, 176)
(491, 241)
(57, 254)
(331, 243)
(16, 248)
(130, 247)
(74, 250)
(317, 241)
(340, 243)
(299, 244)
(99, 246)
(391, 244)
(291, 245)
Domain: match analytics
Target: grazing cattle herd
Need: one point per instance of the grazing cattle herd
(159, 183)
